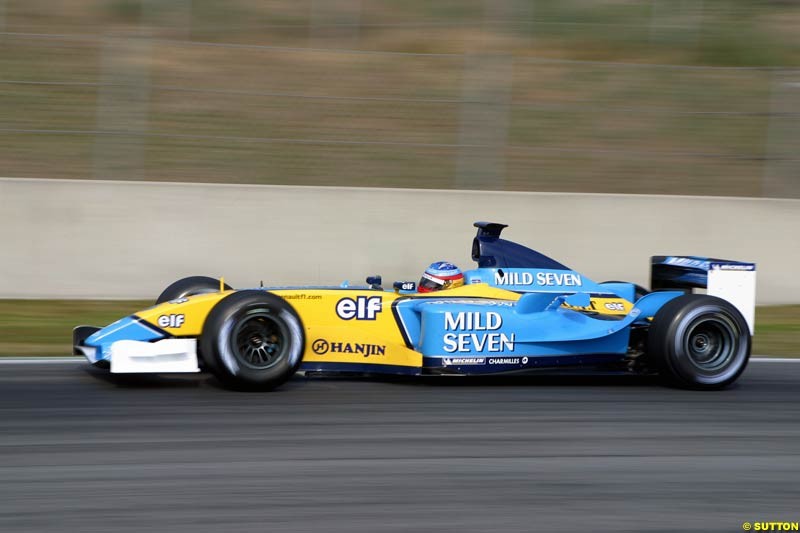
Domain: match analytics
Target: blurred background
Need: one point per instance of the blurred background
(672, 97)
(616, 96)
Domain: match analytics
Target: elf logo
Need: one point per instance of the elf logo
(360, 308)
(171, 321)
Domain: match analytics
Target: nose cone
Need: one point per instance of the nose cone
(130, 328)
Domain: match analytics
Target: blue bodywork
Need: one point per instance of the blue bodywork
(499, 335)
(129, 328)
(476, 336)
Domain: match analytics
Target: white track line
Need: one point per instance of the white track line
(46, 360)
(39, 360)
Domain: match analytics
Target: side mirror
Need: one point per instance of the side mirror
(405, 286)
(374, 282)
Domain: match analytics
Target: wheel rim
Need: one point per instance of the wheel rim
(710, 343)
(259, 340)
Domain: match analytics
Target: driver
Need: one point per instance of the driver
(439, 276)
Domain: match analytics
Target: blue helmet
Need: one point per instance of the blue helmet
(439, 276)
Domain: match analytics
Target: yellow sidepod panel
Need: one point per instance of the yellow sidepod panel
(474, 290)
(341, 326)
(350, 326)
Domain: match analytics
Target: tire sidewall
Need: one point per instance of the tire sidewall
(669, 337)
(218, 343)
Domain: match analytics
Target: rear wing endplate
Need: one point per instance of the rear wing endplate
(734, 281)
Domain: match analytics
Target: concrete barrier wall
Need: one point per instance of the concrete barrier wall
(93, 239)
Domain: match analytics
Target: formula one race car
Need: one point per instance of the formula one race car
(519, 311)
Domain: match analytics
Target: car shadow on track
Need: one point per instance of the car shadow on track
(149, 381)
(532, 380)
(178, 381)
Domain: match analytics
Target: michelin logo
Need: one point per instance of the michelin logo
(717, 266)
(459, 361)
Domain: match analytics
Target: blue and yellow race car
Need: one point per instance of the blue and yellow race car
(518, 311)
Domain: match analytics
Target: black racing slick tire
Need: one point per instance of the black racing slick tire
(189, 287)
(699, 342)
(252, 340)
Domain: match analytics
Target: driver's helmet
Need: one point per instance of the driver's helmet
(439, 276)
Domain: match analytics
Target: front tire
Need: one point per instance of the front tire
(252, 340)
(699, 342)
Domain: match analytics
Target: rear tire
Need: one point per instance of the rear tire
(252, 340)
(699, 342)
(189, 287)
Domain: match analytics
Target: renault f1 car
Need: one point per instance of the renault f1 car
(518, 311)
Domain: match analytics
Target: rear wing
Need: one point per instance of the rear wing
(734, 281)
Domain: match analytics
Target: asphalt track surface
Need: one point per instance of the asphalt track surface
(82, 452)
